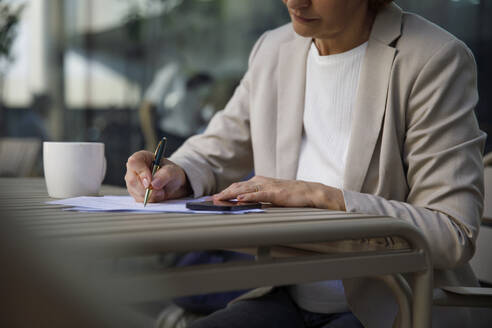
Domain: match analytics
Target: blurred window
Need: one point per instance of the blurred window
(80, 69)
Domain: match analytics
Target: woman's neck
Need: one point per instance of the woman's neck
(350, 37)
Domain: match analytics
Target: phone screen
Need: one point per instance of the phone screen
(221, 205)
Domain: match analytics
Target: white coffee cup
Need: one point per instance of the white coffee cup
(73, 169)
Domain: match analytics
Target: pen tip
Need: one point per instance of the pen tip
(147, 196)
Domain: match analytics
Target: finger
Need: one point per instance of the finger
(172, 179)
(173, 190)
(235, 189)
(254, 185)
(261, 196)
(137, 190)
(136, 193)
(139, 163)
(259, 179)
(133, 184)
(138, 181)
(157, 196)
(131, 179)
(162, 177)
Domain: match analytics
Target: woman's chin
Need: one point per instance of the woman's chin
(302, 30)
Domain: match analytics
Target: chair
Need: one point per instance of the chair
(481, 262)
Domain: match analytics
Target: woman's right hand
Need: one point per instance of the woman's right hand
(169, 182)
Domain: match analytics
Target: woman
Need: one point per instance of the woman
(354, 106)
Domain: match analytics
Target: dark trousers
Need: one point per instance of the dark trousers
(274, 310)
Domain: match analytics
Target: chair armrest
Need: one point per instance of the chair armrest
(463, 296)
(487, 159)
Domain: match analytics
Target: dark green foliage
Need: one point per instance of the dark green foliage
(9, 18)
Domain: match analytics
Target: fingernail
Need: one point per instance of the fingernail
(145, 182)
(240, 197)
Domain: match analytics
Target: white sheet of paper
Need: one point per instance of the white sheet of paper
(128, 204)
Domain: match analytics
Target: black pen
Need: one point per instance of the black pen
(159, 151)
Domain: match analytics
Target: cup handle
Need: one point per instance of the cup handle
(103, 173)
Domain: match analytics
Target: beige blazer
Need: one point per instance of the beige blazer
(414, 151)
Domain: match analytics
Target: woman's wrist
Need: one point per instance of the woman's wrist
(329, 198)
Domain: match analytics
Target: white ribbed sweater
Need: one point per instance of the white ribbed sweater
(331, 88)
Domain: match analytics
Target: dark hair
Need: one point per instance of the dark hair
(376, 5)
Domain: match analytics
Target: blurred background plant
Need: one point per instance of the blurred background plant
(9, 19)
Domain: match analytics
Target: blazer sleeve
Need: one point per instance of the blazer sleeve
(223, 153)
(443, 155)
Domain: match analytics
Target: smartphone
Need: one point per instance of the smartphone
(221, 205)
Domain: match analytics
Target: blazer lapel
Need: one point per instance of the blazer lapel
(368, 113)
(290, 100)
(371, 96)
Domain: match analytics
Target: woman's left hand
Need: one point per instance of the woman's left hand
(289, 193)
